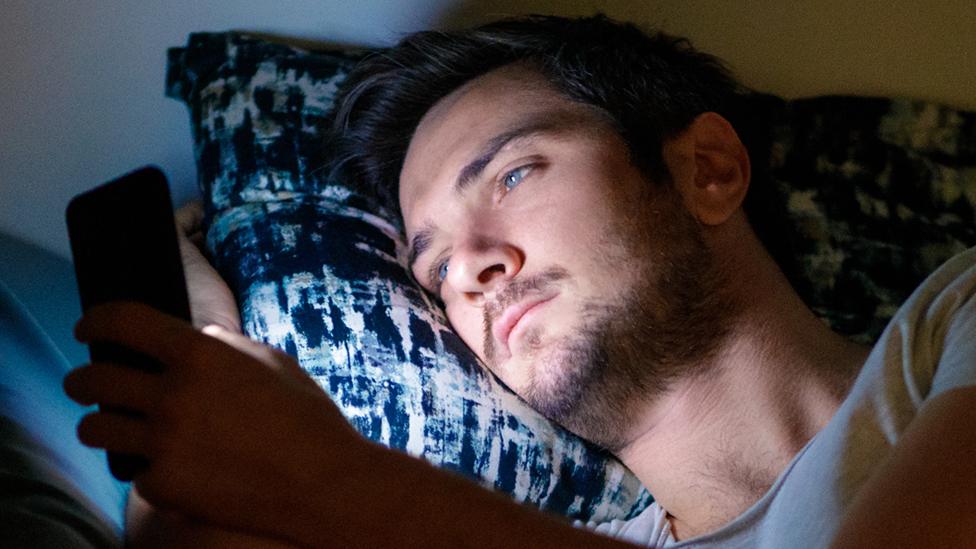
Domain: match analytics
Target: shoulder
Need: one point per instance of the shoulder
(945, 290)
(932, 335)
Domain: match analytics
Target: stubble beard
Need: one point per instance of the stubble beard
(631, 349)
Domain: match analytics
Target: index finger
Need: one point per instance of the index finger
(140, 328)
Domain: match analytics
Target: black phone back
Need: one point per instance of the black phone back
(125, 248)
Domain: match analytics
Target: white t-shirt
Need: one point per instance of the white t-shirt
(928, 348)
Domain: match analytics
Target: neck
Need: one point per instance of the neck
(713, 445)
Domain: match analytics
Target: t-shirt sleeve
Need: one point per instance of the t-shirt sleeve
(957, 366)
(954, 313)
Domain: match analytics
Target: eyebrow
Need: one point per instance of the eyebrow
(420, 243)
(473, 170)
(546, 122)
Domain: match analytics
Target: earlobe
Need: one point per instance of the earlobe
(721, 170)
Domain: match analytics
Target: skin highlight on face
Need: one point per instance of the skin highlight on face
(582, 286)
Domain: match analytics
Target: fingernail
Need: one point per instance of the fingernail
(212, 329)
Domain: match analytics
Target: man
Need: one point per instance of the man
(572, 191)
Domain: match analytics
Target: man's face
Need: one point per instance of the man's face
(580, 285)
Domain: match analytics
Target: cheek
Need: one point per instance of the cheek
(574, 217)
(468, 323)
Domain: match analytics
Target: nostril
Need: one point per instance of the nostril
(488, 274)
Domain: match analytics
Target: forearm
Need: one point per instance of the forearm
(923, 495)
(405, 502)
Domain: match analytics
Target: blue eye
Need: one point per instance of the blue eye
(514, 177)
(436, 275)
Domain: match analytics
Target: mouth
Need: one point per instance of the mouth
(510, 318)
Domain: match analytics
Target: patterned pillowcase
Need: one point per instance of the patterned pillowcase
(315, 269)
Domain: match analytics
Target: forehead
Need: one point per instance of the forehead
(458, 125)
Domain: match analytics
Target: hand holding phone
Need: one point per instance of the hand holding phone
(124, 244)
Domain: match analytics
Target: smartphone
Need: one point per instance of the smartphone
(125, 248)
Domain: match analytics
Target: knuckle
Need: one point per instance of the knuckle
(162, 443)
(173, 411)
(168, 413)
(171, 417)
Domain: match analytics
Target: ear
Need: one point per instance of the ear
(710, 168)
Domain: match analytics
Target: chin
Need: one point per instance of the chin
(559, 369)
(571, 381)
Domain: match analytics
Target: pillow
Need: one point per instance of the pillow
(878, 193)
(315, 269)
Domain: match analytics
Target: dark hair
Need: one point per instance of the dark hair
(651, 86)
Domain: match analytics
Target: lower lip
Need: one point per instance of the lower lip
(523, 320)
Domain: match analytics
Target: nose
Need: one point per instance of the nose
(481, 267)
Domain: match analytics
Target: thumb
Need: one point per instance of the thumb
(189, 217)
